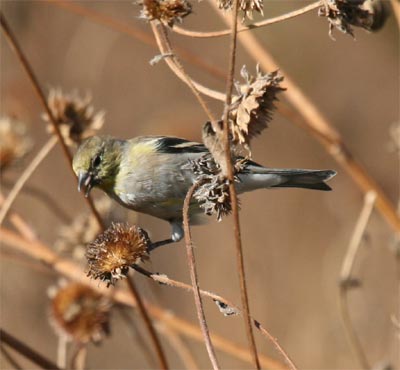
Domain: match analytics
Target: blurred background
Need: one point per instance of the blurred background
(294, 240)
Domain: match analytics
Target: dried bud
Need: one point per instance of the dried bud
(14, 141)
(343, 14)
(115, 250)
(74, 115)
(166, 11)
(213, 194)
(252, 109)
(79, 313)
(246, 6)
(73, 237)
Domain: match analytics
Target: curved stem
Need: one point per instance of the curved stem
(263, 23)
(193, 277)
(149, 325)
(36, 86)
(232, 189)
(29, 170)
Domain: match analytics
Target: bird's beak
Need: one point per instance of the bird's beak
(85, 182)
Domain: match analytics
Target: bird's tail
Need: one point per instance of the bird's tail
(259, 177)
(307, 179)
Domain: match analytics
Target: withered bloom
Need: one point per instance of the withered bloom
(79, 313)
(343, 14)
(252, 108)
(246, 6)
(75, 116)
(213, 194)
(111, 254)
(14, 141)
(168, 12)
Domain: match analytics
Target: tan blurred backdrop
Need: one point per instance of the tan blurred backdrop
(294, 240)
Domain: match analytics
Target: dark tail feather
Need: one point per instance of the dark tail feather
(307, 179)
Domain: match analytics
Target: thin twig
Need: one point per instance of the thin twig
(320, 127)
(26, 351)
(62, 347)
(35, 83)
(179, 346)
(232, 189)
(78, 358)
(26, 174)
(74, 272)
(42, 196)
(193, 277)
(10, 358)
(346, 280)
(149, 325)
(136, 33)
(173, 63)
(260, 24)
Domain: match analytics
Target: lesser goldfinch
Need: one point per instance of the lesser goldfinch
(149, 174)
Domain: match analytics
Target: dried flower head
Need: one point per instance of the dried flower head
(246, 6)
(14, 141)
(343, 14)
(79, 313)
(74, 115)
(115, 250)
(253, 107)
(213, 194)
(84, 228)
(166, 11)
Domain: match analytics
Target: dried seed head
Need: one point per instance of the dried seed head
(246, 6)
(14, 141)
(79, 313)
(213, 194)
(253, 107)
(73, 238)
(115, 250)
(343, 14)
(166, 11)
(74, 115)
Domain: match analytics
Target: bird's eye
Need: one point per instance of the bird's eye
(96, 161)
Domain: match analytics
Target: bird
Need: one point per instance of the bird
(149, 174)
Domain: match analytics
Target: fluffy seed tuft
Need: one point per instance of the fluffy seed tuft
(74, 115)
(246, 6)
(79, 313)
(111, 254)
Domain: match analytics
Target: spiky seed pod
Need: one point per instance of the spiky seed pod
(168, 12)
(14, 141)
(75, 116)
(79, 313)
(213, 194)
(343, 14)
(246, 6)
(252, 108)
(111, 254)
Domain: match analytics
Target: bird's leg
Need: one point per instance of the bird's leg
(142, 271)
(158, 244)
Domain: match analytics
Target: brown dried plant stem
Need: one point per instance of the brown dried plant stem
(9, 358)
(319, 126)
(35, 83)
(232, 189)
(347, 282)
(134, 32)
(149, 325)
(26, 174)
(193, 277)
(73, 271)
(79, 357)
(26, 351)
(260, 24)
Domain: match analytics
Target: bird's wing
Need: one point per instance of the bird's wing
(175, 145)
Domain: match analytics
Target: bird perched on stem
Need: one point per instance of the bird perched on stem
(150, 174)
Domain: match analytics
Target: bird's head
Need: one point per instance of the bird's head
(96, 163)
